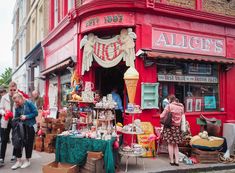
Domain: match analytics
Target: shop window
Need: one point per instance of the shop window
(70, 4)
(56, 12)
(65, 88)
(196, 85)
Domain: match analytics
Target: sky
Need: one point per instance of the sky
(6, 33)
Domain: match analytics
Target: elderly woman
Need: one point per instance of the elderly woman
(26, 111)
(173, 135)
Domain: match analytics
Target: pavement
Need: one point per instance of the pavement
(159, 164)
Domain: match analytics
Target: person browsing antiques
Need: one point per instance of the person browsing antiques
(119, 108)
(173, 135)
(26, 111)
(7, 104)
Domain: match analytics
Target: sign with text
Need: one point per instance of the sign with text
(191, 79)
(108, 19)
(188, 42)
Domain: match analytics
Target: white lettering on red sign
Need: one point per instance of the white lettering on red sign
(188, 43)
(192, 79)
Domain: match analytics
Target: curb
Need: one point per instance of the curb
(195, 170)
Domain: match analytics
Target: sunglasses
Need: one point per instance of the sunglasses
(13, 90)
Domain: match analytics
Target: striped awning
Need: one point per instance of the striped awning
(183, 56)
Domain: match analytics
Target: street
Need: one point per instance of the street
(160, 164)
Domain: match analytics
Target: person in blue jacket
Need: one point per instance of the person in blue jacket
(26, 111)
(119, 108)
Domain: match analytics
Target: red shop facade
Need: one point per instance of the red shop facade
(178, 51)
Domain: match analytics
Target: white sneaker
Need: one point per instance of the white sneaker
(16, 165)
(25, 164)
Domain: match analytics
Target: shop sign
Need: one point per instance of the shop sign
(107, 19)
(187, 42)
(190, 79)
(108, 52)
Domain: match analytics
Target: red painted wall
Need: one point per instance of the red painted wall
(158, 16)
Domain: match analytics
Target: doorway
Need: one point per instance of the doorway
(107, 78)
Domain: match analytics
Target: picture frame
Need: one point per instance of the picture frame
(189, 104)
(198, 104)
(209, 102)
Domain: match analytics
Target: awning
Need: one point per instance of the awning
(58, 66)
(183, 56)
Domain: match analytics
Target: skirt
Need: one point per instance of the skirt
(172, 135)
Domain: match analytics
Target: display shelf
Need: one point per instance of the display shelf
(106, 119)
(98, 108)
(132, 133)
(133, 112)
(73, 101)
(132, 153)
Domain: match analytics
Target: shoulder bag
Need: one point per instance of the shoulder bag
(167, 119)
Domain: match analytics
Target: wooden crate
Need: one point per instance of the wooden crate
(39, 144)
(93, 166)
(205, 156)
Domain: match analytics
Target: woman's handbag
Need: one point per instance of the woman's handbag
(167, 120)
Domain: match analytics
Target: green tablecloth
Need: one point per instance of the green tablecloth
(74, 150)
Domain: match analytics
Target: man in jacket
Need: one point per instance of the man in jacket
(7, 104)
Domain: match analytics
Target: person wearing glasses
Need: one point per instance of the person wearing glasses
(7, 104)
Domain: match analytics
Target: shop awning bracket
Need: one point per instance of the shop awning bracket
(152, 55)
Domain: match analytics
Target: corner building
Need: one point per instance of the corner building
(182, 47)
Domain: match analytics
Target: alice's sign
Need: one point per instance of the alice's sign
(107, 19)
(187, 42)
(191, 79)
(108, 52)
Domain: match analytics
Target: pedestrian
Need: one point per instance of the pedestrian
(165, 102)
(26, 111)
(119, 108)
(7, 104)
(3, 91)
(173, 135)
(37, 100)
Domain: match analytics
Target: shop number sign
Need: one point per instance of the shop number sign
(177, 78)
(187, 42)
(107, 19)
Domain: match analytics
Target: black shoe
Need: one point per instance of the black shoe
(13, 159)
(176, 164)
(172, 164)
(1, 162)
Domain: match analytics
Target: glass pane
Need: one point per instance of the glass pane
(196, 85)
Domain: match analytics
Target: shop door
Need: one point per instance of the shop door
(107, 78)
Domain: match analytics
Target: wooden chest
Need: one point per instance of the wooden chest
(205, 156)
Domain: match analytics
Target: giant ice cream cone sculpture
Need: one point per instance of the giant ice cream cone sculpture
(131, 77)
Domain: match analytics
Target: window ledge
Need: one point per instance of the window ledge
(205, 113)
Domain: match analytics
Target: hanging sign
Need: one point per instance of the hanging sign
(187, 42)
(108, 52)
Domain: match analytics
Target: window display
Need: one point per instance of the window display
(65, 88)
(196, 85)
